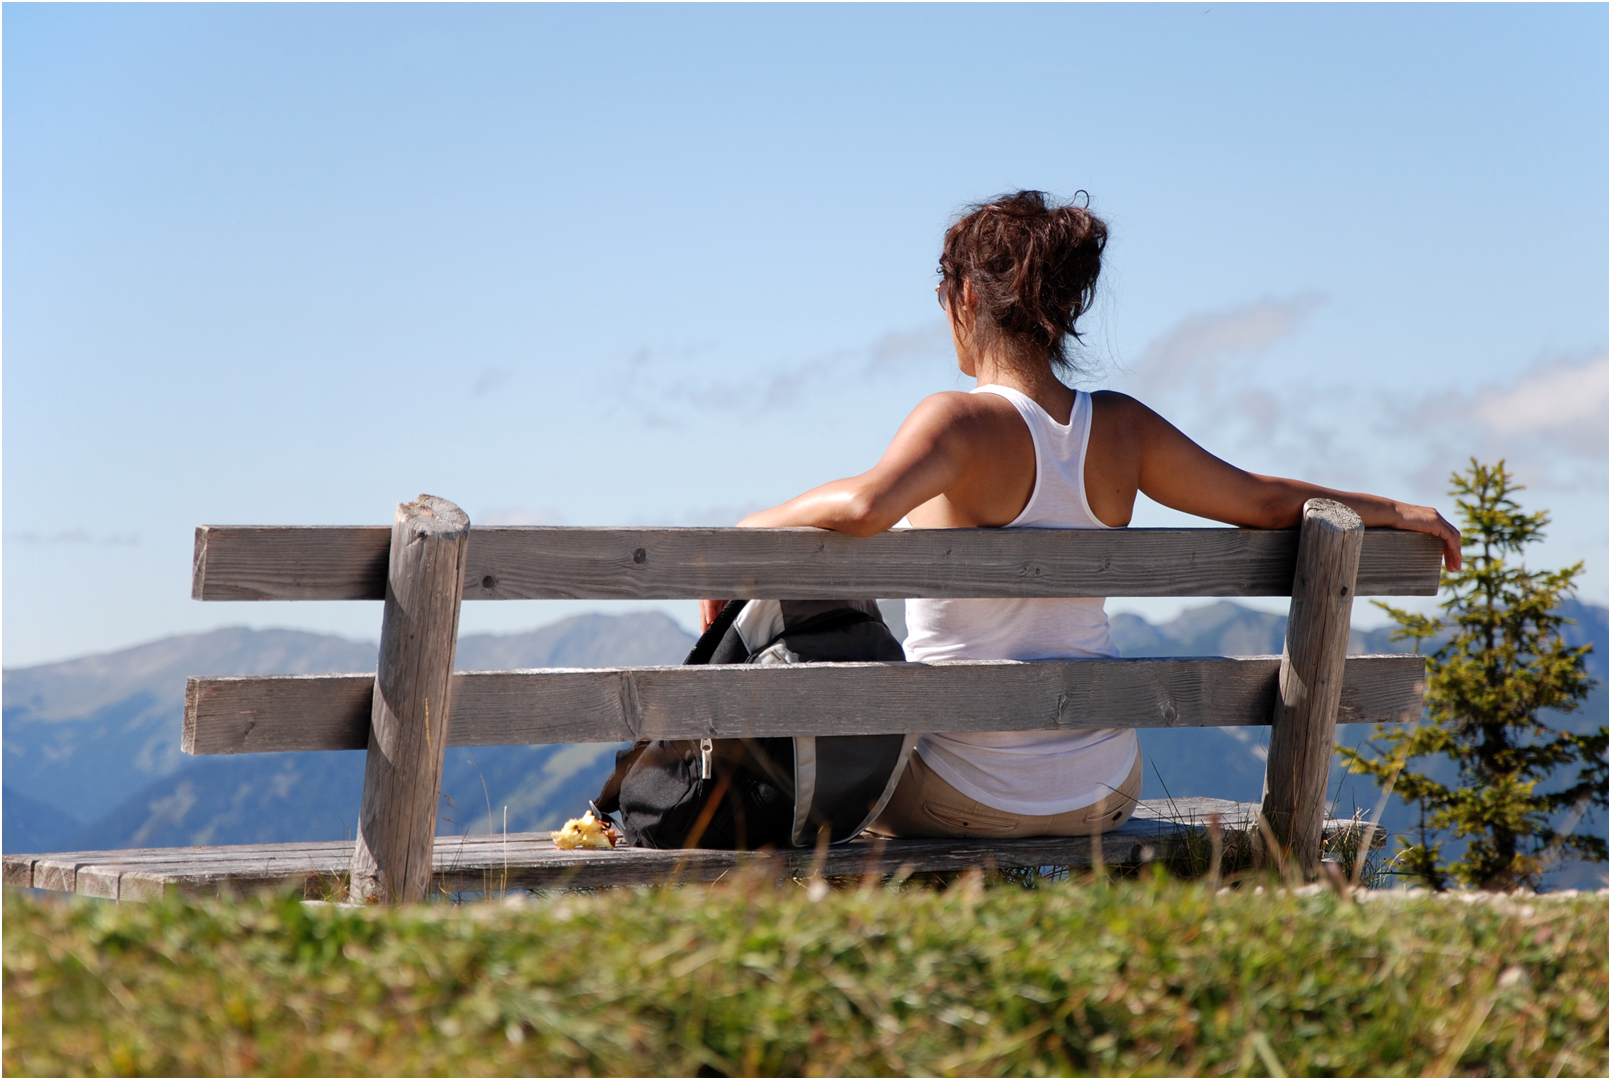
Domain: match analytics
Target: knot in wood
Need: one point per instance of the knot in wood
(640, 556)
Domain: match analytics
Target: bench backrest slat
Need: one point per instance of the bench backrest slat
(262, 714)
(541, 563)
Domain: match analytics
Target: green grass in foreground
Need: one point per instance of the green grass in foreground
(1143, 977)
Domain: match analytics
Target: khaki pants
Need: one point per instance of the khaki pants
(924, 804)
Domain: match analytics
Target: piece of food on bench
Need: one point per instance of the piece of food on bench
(586, 831)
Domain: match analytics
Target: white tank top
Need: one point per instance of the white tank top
(1028, 772)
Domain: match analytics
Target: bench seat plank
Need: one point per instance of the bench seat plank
(266, 714)
(494, 864)
(86, 874)
(550, 563)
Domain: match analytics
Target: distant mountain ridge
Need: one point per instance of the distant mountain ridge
(92, 760)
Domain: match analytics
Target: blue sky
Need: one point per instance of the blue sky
(618, 264)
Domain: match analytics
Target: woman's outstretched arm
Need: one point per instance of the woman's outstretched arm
(928, 457)
(1141, 451)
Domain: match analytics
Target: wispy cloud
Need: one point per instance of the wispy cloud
(1563, 402)
(1199, 373)
(490, 380)
(75, 536)
(1549, 422)
(666, 401)
(670, 388)
(772, 390)
(902, 348)
(1199, 340)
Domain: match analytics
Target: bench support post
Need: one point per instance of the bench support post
(1304, 728)
(408, 725)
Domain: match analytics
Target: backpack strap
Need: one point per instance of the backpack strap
(609, 799)
(705, 647)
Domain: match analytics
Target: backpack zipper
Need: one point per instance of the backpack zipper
(705, 750)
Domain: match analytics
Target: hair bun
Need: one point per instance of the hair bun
(1033, 265)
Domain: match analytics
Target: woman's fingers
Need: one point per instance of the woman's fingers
(1451, 545)
(1448, 534)
(1426, 519)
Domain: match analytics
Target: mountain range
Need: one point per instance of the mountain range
(92, 759)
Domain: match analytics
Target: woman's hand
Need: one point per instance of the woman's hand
(1425, 519)
(708, 610)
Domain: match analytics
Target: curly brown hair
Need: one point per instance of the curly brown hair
(1033, 265)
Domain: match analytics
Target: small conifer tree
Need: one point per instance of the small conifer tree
(1501, 662)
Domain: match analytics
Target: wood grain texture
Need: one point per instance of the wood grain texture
(273, 713)
(1303, 731)
(146, 880)
(249, 714)
(536, 563)
(18, 870)
(99, 873)
(290, 562)
(494, 864)
(408, 719)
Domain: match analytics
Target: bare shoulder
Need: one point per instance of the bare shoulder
(1122, 416)
(954, 409)
(1122, 407)
(946, 403)
(1117, 420)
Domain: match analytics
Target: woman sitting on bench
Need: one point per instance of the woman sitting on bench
(1022, 450)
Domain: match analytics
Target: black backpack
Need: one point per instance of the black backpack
(744, 794)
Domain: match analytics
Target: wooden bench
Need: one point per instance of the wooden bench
(415, 704)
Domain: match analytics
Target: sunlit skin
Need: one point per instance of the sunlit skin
(967, 460)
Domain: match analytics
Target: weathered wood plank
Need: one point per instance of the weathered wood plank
(481, 867)
(419, 632)
(331, 712)
(213, 853)
(18, 870)
(1393, 562)
(493, 863)
(1303, 733)
(57, 875)
(535, 563)
(95, 873)
(105, 874)
(100, 882)
(264, 714)
(290, 562)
